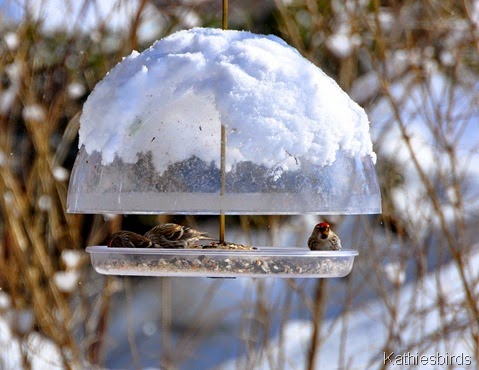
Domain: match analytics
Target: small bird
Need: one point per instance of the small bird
(128, 239)
(175, 236)
(323, 238)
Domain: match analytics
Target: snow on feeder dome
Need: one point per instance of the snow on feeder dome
(150, 133)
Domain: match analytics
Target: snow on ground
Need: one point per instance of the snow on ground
(277, 105)
(437, 114)
(41, 352)
(367, 329)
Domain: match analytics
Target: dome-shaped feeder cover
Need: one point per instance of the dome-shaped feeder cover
(150, 133)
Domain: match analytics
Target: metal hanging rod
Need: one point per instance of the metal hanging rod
(223, 142)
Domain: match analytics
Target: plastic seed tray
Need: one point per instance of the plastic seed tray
(260, 262)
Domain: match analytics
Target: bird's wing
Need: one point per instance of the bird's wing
(144, 242)
(171, 231)
(335, 243)
(312, 244)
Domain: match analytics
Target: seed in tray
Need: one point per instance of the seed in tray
(231, 264)
(265, 267)
(226, 245)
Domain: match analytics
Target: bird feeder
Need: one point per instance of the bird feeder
(219, 122)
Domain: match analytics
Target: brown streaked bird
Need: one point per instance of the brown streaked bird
(129, 239)
(175, 236)
(323, 238)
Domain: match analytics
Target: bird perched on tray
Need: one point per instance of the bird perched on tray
(175, 236)
(323, 238)
(129, 239)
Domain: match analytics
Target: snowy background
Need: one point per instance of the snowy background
(414, 286)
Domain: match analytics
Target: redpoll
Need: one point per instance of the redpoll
(323, 238)
(128, 239)
(175, 236)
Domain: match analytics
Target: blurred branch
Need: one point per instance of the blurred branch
(318, 312)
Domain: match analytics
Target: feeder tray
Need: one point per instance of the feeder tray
(219, 122)
(262, 262)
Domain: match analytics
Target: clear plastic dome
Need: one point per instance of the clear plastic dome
(150, 134)
(348, 186)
